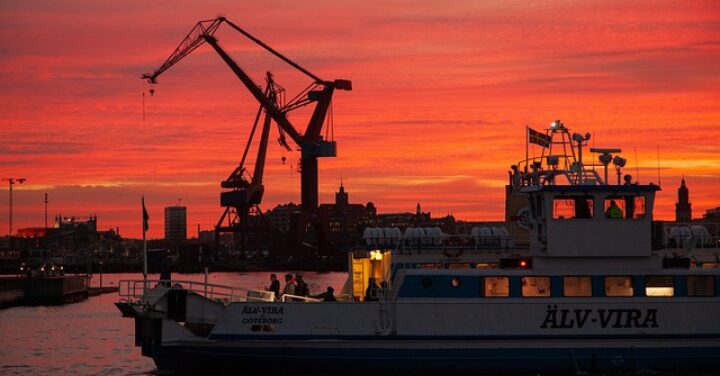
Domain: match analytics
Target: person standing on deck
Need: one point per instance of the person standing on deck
(327, 296)
(371, 293)
(301, 288)
(289, 285)
(274, 286)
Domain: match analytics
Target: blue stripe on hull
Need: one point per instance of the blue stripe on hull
(434, 361)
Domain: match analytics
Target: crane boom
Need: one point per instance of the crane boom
(192, 41)
(267, 104)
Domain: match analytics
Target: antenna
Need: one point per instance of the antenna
(637, 166)
(658, 165)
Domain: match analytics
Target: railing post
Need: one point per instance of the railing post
(206, 281)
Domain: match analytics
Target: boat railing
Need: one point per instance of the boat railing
(344, 298)
(463, 244)
(134, 290)
(298, 298)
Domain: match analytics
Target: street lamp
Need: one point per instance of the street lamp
(11, 182)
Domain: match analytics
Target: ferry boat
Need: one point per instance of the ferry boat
(573, 282)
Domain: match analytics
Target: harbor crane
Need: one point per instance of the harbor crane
(247, 193)
(246, 189)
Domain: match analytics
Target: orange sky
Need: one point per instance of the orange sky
(442, 93)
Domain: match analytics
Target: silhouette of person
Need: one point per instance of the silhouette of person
(371, 293)
(274, 286)
(289, 285)
(613, 211)
(327, 296)
(301, 288)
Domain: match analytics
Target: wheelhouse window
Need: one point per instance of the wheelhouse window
(635, 207)
(700, 285)
(535, 286)
(497, 287)
(618, 286)
(572, 207)
(659, 286)
(615, 207)
(577, 286)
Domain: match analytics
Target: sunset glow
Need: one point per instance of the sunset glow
(442, 92)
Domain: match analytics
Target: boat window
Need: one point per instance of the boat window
(577, 286)
(615, 207)
(634, 207)
(535, 286)
(497, 287)
(659, 286)
(572, 207)
(426, 282)
(459, 266)
(455, 282)
(618, 286)
(700, 285)
(486, 265)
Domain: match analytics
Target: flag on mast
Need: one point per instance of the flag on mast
(146, 217)
(538, 138)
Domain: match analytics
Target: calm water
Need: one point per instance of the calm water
(91, 337)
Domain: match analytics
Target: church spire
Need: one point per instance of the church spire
(683, 207)
(341, 197)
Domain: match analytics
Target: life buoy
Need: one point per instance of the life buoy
(453, 253)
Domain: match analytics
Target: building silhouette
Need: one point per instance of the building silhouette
(683, 208)
(344, 218)
(280, 217)
(175, 223)
(712, 214)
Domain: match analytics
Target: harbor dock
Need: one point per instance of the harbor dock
(53, 290)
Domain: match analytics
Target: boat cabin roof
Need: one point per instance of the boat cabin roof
(580, 188)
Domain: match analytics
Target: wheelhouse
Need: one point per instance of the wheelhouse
(591, 220)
